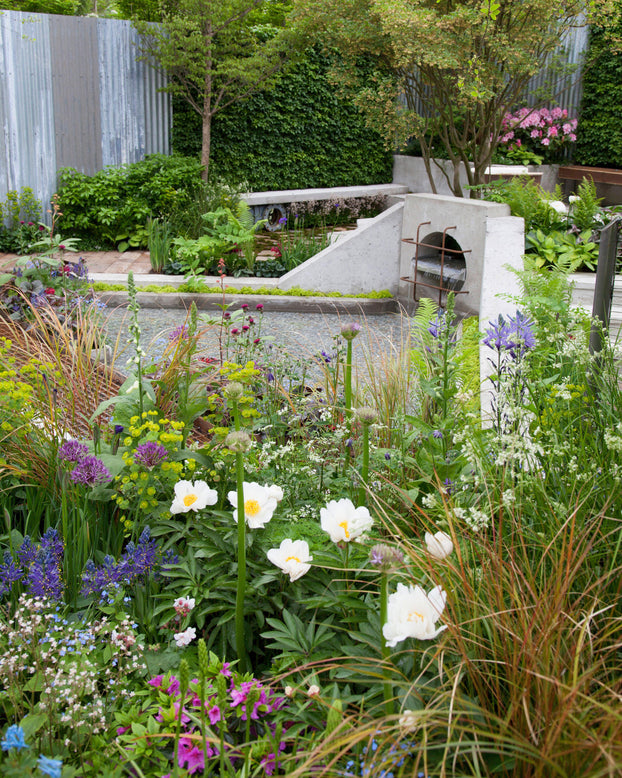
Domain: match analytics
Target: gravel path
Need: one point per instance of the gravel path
(298, 335)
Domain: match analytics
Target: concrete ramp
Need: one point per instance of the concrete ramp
(364, 260)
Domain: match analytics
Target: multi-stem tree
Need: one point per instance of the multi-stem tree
(215, 53)
(447, 70)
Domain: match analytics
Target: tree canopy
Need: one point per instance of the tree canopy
(445, 69)
(216, 54)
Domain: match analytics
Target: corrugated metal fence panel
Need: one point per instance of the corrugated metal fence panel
(566, 92)
(121, 94)
(158, 111)
(75, 88)
(73, 95)
(135, 116)
(28, 156)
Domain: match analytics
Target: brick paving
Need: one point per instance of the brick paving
(99, 261)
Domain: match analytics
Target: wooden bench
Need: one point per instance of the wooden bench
(599, 175)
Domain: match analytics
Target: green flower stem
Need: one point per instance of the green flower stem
(347, 383)
(386, 651)
(364, 465)
(240, 643)
(184, 678)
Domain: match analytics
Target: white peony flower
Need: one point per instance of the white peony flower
(191, 496)
(185, 638)
(276, 492)
(292, 557)
(439, 545)
(558, 206)
(343, 521)
(411, 613)
(259, 503)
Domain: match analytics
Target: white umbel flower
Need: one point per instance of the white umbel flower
(411, 613)
(439, 545)
(191, 496)
(292, 557)
(259, 503)
(343, 521)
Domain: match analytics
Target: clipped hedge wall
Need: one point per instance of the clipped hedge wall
(599, 134)
(297, 135)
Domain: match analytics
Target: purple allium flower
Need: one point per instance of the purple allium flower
(350, 330)
(90, 471)
(244, 306)
(259, 307)
(150, 454)
(385, 557)
(72, 451)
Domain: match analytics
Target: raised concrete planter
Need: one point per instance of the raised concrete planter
(273, 205)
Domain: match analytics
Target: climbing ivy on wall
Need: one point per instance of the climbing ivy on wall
(599, 134)
(298, 135)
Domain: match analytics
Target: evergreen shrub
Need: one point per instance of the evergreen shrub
(599, 135)
(296, 136)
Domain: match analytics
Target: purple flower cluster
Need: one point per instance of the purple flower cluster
(514, 336)
(72, 451)
(38, 568)
(150, 454)
(135, 565)
(88, 470)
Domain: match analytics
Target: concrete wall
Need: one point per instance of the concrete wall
(365, 260)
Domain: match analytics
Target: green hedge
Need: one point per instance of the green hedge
(599, 135)
(297, 135)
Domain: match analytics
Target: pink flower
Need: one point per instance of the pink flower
(566, 128)
(545, 141)
(536, 133)
(557, 113)
(572, 137)
(190, 755)
(552, 132)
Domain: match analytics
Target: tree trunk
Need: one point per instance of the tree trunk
(206, 139)
(206, 131)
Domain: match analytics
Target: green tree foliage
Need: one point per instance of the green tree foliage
(599, 135)
(297, 135)
(63, 7)
(215, 55)
(458, 65)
